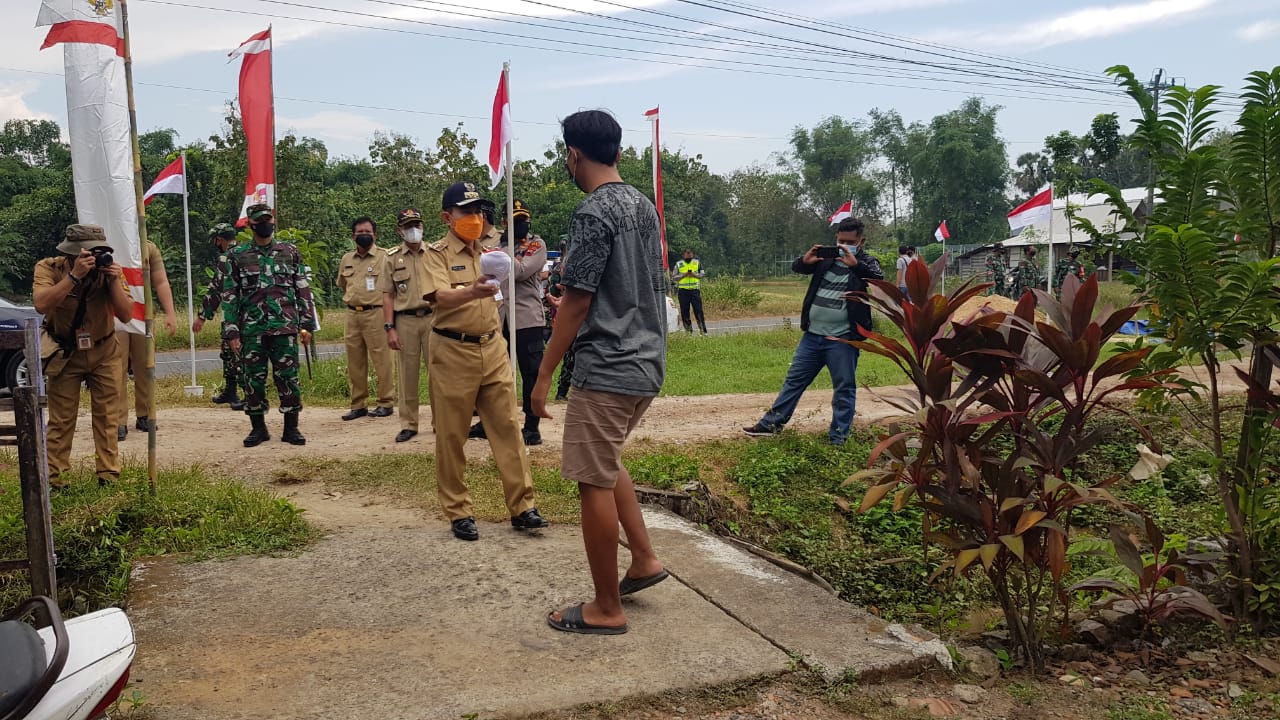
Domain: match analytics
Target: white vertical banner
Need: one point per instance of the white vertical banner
(92, 38)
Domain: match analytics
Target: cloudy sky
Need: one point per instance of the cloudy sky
(733, 77)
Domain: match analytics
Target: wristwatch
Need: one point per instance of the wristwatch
(388, 326)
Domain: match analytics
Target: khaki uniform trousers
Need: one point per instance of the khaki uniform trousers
(99, 368)
(415, 336)
(366, 339)
(465, 376)
(133, 348)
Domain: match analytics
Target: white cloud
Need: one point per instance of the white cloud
(13, 106)
(1260, 30)
(1084, 24)
(334, 125)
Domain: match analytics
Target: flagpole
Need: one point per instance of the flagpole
(945, 260)
(1048, 270)
(149, 373)
(271, 85)
(193, 388)
(511, 233)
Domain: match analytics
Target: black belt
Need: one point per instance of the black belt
(463, 337)
(420, 312)
(362, 308)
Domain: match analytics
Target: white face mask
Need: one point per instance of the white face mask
(413, 235)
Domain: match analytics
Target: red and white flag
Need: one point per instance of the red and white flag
(257, 115)
(501, 123)
(91, 33)
(845, 211)
(1036, 210)
(657, 181)
(942, 234)
(170, 181)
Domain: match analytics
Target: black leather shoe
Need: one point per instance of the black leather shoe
(143, 424)
(122, 432)
(406, 435)
(380, 412)
(227, 396)
(238, 406)
(531, 437)
(529, 520)
(477, 432)
(356, 413)
(465, 529)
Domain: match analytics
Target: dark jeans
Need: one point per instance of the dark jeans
(688, 299)
(814, 353)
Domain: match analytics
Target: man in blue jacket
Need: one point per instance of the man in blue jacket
(827, 315)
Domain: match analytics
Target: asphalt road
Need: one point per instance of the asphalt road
(179, 362)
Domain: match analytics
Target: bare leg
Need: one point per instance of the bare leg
(644, 561)
(600, 535)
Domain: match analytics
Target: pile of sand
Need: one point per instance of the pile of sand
(987, 304)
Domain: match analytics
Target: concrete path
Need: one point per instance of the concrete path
(178, 362)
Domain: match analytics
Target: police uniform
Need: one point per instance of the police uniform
(133, 354)
(359, 280)
(81, 352)
(403, 277)
(470, 368)
(689, 290)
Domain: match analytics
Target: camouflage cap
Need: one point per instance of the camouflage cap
(84, 237)
(226, 230)
(259, 211)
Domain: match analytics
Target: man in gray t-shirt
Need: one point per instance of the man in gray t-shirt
(613, 314)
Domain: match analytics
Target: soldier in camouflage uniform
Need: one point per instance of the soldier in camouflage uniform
(267, 305)
(224, 237)
(997, 269)
(1069, 265)
(1027, 276)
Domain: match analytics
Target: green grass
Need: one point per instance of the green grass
(99, 532)
(332, 323)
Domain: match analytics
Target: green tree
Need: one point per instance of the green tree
(960, 174)
(834, 159)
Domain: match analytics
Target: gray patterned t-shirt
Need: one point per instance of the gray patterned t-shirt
(615, 252)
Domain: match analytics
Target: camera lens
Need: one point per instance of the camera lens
(104, 259)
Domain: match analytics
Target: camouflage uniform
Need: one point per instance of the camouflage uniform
(996, 271)
(566, 365)
(1026, 277)
(232, 376)
(266, 300)
(1066, 266)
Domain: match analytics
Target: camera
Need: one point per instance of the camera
(103, 258)
(828, 252)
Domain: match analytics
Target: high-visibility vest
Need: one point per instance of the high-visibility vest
(688, 266)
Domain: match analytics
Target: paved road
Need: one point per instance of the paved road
(173, 363)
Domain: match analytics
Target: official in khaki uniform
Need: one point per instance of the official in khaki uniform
(406, 315)
(366, 339)
(133, 350)
(81, 294)
(469, 368)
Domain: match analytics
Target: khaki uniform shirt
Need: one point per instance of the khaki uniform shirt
(99, 317)
(450, 263)
(358, 277)
(404, 276)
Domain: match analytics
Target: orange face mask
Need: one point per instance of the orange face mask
(469, 227)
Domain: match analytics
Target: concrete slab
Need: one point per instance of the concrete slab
(406, 622)
(831, 635)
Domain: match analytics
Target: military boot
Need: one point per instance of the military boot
(227, 396)
(259, 434)
(291, 434)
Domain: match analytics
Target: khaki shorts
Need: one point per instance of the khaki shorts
(596, 424)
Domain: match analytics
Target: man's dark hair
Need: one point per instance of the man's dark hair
(853, 225)
(911, 249)
(902, 249)
(595, 133)
(361, 220)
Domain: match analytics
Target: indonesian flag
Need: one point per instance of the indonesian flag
(91, 33)
(170, 181)
(942, 234)
(845, 211)
(257, 114)
(657, 182)
(501, 123)
(1036, 210)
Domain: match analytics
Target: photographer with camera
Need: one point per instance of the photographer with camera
(80, 294)
(828, 316)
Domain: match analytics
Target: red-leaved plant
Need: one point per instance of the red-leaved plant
(995, 477)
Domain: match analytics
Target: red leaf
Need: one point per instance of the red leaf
(1082, 307)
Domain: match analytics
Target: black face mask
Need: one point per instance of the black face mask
(521, 228)
(264, 230)
(364, 240)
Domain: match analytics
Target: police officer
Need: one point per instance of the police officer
(81, 294)
(223, 236)
(133, 349)
(267, 305)
(688, 276)
(406, 315)
(366, 340)
(469, 368)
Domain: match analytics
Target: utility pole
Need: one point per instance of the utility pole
(893, 183)
(1157, 84)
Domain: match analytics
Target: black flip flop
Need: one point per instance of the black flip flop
(571, 621)
(635, 585)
